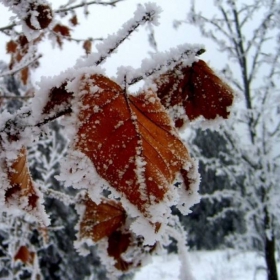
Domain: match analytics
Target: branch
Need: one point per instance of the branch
(8, 27)
(112, 3)
(165, 64)
(14, 71)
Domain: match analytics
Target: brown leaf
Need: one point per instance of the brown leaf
(58, 97)
(24, 75)
(11, 46)
(74, 20)
(21, 183)
(62, 30)
(101, 220)
(120, 242)
(24, 255)
(197, 90)
(43, 16)
(130, 140)
(87, 46)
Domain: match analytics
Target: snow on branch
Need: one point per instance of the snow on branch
(65, 8)
(147, 13)
(20, 67)
(160, 63)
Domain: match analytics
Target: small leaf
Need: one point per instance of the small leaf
(22, 189)
(62, 30)
(11, 46)
(24, 75)
(24, 255)
(39, 16)
(193, 92)
(58, 97)
(74, 20)
(101, 220)
(87, 46)
(124, 242)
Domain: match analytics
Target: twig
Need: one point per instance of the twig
(157, 69)
(8, 27)
(148, 16)
(12, 72)
(113, 4)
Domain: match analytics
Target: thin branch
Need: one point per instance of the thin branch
(158, 68)
(112, 3)
(14, 71)
(8, 27)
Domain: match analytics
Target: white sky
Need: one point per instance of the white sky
(106, 20)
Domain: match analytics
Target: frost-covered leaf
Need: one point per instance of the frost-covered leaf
(131, 142)
(191, 92)
(107, 225)
(11, 46)
(127, 250)
(58, 97)
(25, 255)
(21, 182)
(100, 220)
(22, 192)
(39, 16)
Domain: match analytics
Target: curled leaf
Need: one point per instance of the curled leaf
(22, 188)
(191, 92)
(58, 97)
(23, 254)
(22, 192)
(87, 46)
(101, 220)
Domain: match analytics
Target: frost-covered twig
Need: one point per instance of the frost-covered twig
(8, 27)
(66, 9)
(14, 71)
(149, 13)
(164, 61)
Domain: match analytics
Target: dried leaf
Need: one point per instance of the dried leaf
(11, 46)
(197, 90)
(58, 97)
(74, 20)
(101, 220)
(22, 188)
(24, 75)
(24, 255)
(130, 140)
(39, 16)
(122, 242)
(62, 30)
(87, 46)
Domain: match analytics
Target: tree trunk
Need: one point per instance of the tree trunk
(270, 259)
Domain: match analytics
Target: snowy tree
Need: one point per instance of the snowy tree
(247, 33)
(124, 162)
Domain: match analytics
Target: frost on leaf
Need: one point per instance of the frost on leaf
(191, 92)
(39, 16)
(58, 97)
(22, 192)
(25, 255)
(100, 220)
(131, 142)
(106, 224)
